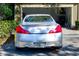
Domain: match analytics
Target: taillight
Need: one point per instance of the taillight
(19, 29)
(56, 30)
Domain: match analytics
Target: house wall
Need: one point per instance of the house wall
(73, 15)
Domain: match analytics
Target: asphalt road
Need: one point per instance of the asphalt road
(70, 48)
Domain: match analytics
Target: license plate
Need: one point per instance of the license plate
(40, 44)
(43, 44)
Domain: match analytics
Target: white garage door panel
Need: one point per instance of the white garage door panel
(36, 10)
(26, 11)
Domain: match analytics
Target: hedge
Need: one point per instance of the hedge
(6, 27)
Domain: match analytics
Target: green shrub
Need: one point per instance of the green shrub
(6, 27)
(77, 24)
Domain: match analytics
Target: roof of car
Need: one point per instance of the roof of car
(38, 15)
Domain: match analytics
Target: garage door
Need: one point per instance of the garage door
(26, 11)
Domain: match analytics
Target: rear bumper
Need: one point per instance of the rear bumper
(38, 40)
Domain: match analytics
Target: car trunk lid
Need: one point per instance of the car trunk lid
(39, 28)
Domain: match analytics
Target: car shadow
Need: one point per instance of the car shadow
(10, 49)
(67, 50)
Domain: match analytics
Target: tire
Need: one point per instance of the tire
(18, 48)
(56, 48)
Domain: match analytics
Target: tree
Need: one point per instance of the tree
(6, 11)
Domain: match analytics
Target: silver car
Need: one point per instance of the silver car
(38, 31)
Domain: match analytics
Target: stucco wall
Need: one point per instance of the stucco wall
(74, 15)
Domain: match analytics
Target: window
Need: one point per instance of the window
(38, 19)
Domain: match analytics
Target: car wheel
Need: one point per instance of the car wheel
(18, 48)
(56, 48)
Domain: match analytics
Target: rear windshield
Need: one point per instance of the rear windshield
(38, 19)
